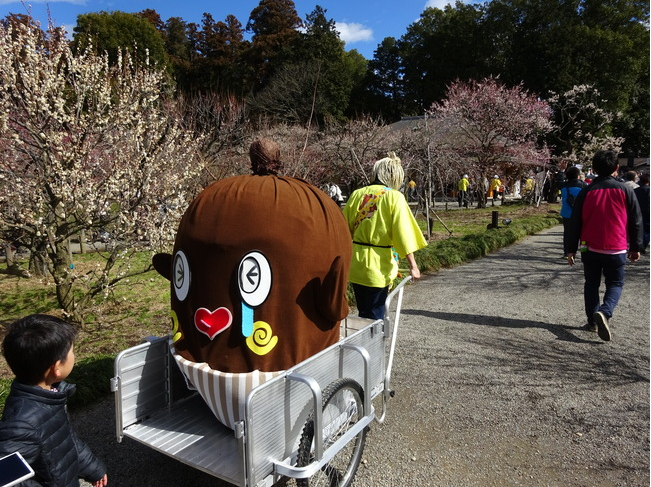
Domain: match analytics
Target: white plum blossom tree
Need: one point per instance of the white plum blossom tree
(582, 124)
(87, 146)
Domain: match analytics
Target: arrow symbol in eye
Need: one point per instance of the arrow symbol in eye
(254, 280)
(180, 270)
(253, 273)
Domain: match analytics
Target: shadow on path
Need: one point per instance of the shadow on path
(562, 332)
(567, 356)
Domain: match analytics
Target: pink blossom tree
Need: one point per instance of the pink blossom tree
(493, 128)
(87, 146)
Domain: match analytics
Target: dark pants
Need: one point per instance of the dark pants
(612, 268)
(370, 301)
(463, 199)
(566, 229)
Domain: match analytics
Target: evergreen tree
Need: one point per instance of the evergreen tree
(383, 88)
(274, 24)
(115, 31)
(356, 65)
(443, 45)
(550, 46)
(179, 50)
(221, 46)
(315, 82)
(153, 17)
(321, 51)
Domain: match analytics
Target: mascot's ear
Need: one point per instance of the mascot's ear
(163, 265)
(331, 301)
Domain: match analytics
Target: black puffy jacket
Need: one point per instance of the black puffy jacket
(35, 422)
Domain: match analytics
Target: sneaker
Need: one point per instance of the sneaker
(602, 326)
(591, 327)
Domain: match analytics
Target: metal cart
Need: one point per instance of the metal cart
(309, 423)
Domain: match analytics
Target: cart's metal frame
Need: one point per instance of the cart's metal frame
(154, 406)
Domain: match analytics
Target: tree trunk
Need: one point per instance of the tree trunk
(10, 259)
(63, 280)
(9, 255)
(82, 242)
(38, 262)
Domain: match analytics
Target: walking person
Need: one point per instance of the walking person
(642, 194)
(383, 229)
(334, 191)
(569, 191)
(413, 196)
(495, 188)
(463, 191)
(630, 178)
(607, 222)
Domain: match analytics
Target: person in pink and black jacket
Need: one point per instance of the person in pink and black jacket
(606, 223)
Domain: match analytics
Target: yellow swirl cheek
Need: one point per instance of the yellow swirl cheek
(176, 334)
(262, 340)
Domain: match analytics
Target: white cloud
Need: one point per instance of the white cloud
(440, 4)
(349, 32)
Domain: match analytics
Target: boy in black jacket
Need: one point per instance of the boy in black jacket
(35, 422)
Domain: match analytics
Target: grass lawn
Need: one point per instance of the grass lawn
(139, 308)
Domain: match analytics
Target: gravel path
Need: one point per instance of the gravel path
(495, 383)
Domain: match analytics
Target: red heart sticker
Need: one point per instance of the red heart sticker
(212, 323)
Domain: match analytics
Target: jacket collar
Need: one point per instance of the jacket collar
(59, 396)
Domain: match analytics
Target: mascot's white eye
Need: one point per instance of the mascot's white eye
(254, 278)
(181, 275)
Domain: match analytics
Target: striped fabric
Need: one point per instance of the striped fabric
(225, 393)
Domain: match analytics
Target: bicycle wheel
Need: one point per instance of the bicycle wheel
(342, 408)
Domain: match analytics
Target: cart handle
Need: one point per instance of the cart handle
(399, 291)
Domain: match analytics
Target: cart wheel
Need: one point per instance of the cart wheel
(342, 408)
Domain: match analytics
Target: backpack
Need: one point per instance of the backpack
(570, 199)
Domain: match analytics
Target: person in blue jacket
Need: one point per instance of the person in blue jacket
(569, 191)
(35, 422)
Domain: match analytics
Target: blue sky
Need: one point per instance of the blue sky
(362, 24)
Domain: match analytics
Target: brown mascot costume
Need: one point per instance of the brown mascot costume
(258, 280)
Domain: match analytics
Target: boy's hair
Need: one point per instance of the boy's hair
(604, 162)
(630, 176)
(573, 172)
(34, 343)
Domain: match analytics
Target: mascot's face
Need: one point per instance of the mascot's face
(258, 274)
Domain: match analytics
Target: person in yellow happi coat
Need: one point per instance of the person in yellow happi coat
(383, 229)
